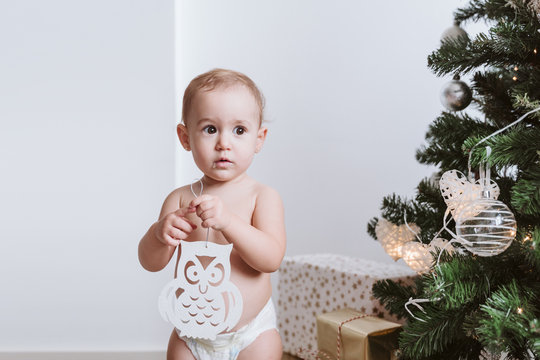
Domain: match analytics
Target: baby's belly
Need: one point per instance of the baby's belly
(254, 286)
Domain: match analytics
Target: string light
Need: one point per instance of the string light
(516, 68)
(514, 78)
(534, 51)
(519, 310)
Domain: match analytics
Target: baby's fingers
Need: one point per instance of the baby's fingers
(183, 224)
(206, 214)
(182, 212)
(178, 234)
(209, 223)
(171, 241)
(198, 200)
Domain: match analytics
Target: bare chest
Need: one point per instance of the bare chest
(241, 205)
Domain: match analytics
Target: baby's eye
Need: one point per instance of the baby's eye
(239, 130)
(210, 129)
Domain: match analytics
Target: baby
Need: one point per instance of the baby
(222, 126)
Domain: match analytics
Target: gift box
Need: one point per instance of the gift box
(310, 285)
(347, 334)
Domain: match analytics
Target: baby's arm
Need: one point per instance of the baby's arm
(260, 244)
(158, 244)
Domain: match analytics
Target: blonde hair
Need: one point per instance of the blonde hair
(220, 78)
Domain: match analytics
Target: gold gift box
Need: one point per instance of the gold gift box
(367, 338)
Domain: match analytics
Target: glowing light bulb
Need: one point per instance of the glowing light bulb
(516, 68)
(534, 51)
(514, 78)
(519, 310)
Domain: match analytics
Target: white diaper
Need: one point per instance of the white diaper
(227, 346)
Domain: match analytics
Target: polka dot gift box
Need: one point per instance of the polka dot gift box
(310, 285)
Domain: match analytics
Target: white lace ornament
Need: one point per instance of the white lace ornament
(457, 191)
(209, 303)
(201, 301)
(417, 256)
(392, 237)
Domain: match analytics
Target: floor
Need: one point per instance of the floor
(157, 355)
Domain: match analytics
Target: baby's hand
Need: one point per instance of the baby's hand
(174, 227)
(211, 211)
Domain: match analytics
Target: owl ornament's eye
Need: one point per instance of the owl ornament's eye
(216, 275)
(209, 303)
(192, 273)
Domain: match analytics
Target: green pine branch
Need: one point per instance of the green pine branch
(429, 217)
(394, 296)
(525, 86)
(517, 146)
(531, 248)
(394, 207)
(506, 44)
(506, 319)
(526, 192)
(371, 227)
(438, 334)
(524, 102)
(493, 96)
(459, 282)
(485, 10)
(445, 137)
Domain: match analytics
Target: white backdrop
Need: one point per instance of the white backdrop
(349, 99)
(86, 105)
(89, 100)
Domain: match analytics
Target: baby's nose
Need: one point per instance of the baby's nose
(223, 142)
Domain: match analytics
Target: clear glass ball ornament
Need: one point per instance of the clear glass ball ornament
(485, 227)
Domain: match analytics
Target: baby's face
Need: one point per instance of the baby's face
(223, 131)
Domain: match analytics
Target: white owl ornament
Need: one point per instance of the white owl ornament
(201, 301)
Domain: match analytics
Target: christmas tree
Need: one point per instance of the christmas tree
(469, 306)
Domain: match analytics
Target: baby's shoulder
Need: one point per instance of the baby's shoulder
(178, 197)
(264, 193)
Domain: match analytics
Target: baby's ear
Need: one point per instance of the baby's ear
(261, 136)
(183, 136)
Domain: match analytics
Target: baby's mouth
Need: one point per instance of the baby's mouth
(222, 163)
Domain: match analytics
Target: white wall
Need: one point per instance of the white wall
(349, 98)
(86, 156)
(87, 142)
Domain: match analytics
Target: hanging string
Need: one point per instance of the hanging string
(496, 133)
(416, 302)
(196, 196)
(408, 227)
(412, 301)
(445, 222)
